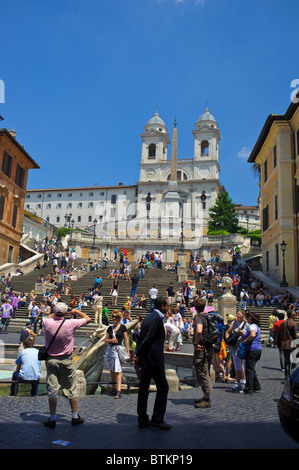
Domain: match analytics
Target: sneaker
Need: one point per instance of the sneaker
(49, 423)
(203, 404)
(237, 389)
(78, 420)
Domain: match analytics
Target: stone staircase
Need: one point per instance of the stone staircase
(153, 276)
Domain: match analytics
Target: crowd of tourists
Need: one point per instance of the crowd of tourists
(184, 312)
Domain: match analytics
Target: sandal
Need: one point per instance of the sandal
(118, 395)
(112, 393)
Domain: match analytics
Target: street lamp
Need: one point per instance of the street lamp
(182, 224)
(247, 218)
(68, 220)
(283, 247)
(94, 235)
(71, 239)
(222, 226)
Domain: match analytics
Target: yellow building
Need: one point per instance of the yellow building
(276, 153)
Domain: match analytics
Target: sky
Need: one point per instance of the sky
(80, 80)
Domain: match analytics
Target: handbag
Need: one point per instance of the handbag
(241, 351)
(232, 339)
(123, 355)
(43, 351)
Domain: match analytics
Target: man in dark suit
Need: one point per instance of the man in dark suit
(149, 357)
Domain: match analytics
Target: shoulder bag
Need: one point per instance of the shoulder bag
(43, 352)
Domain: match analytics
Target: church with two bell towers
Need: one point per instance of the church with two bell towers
(166, 210)
(185, 187)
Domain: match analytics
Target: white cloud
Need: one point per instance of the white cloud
(244, 152)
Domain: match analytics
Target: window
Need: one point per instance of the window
(265, 171)
(27, 196)
(274, 156)
(2, 204)
(265, 218)
(14, 216)
(48, 206)
(20, 176)
(101, 193)
(90, 194)
(275, 208)
(89, 218)
(267, 260)
(152, 151)
(10, 251)
(90, 204)
(38, 206)
(58, 206)
(7, 165)
(69, 205)
(58, 219)
(204, 148)
(49, 195)
(27, 207)
(277, 254)
(39, 196)
(79, 205)
(69, 195)
(113, 199)
(59, 195)
(79, 218)
(181, 175)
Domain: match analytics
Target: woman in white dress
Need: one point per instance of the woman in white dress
(116, 334)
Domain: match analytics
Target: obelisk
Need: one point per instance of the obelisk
(173, 183)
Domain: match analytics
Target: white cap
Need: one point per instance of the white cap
(60, 308)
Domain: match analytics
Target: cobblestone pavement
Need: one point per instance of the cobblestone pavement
(235, 421)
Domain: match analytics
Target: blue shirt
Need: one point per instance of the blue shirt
(31, 366)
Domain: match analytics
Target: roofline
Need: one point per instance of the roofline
(267, 126)
(20, 147)
(82, 188)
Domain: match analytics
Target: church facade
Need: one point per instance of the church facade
(168, 207)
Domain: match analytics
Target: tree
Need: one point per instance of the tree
(224, 211)
(61, 232)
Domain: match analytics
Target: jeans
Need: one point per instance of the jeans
(133, 290)
(33, 321)
(141, 273)
(14, 386)
(252, 382)
(5, 322)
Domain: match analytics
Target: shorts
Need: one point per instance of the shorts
(61, 373)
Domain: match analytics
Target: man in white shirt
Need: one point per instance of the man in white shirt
(153, 292)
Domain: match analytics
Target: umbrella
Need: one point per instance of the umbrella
(209, 309)
(125, 252)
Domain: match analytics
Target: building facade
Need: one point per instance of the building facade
(15, 163)
(170, 201)
(276, 154)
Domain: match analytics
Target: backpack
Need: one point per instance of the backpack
(215, 329)
(245, 296)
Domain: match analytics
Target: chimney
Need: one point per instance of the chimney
(13, 133)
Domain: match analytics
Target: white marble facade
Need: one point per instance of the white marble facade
(122, 210)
